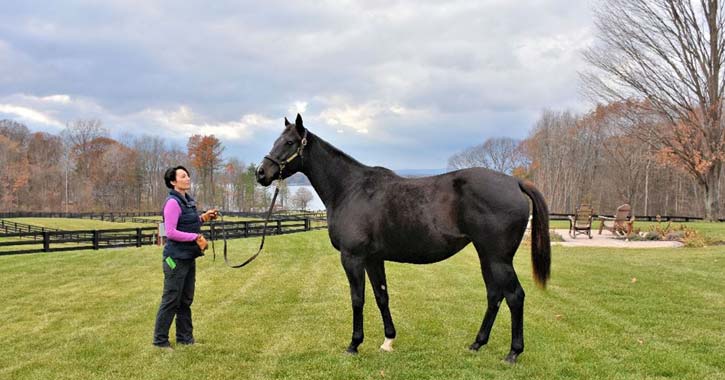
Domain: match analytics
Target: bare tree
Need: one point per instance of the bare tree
(302, 198)
(501, 154)
(152, 154)
(668, 53)
(45, 154)
(79, 136)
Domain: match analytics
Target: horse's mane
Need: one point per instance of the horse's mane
(337, 153)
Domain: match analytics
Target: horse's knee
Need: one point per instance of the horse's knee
(357, 301)
(382, 301)
(516, 298)
(494, 298)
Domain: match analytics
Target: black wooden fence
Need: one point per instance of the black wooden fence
(54, 241)
(138, 217)
(649, 218)
(31, 239)
(103, 216)
(8, 226)
(153, 216)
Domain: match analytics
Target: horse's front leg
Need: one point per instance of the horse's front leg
(355, 270)
(376, 273)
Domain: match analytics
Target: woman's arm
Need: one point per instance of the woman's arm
(172, 211)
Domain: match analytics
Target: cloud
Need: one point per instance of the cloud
(57, 109)
(28, 115)
(183, 121)
(376, 71)
(298, 107)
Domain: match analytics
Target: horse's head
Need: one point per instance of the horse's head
(285, 158)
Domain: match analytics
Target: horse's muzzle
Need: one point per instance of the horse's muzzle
(264, 174)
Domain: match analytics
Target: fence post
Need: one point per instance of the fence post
(46, 241)
(138, 236)
(279, 226)
(246, 229)
(307, 224)
(95, 239)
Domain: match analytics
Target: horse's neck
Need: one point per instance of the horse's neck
(330, 171)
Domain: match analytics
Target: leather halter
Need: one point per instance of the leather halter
(298, 153)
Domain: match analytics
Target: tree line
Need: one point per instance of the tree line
(84, 170)
(594, 158)
(597, 158)
(657, 139)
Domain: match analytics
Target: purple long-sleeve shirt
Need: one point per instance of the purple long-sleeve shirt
(172, 211)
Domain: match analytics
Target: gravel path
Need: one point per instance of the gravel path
(607, 239)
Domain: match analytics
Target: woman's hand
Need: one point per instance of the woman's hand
(201, 242)
(210, 215)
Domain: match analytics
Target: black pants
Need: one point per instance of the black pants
(176, 301)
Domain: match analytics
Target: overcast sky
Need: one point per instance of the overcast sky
(401, 84)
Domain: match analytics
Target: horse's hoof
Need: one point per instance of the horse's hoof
(387, 345)
(351, 351)
(475, 346)
(511, 358)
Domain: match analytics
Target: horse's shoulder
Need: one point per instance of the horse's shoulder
(375, 178)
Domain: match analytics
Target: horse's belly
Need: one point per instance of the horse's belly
(424, 251)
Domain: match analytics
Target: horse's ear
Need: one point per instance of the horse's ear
(298, 124)
(286, 122)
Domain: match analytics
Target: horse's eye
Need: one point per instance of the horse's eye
(289, 142)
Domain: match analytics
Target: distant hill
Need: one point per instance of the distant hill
(298, 179)
(419, 172)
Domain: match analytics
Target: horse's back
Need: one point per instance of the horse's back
(429, 219)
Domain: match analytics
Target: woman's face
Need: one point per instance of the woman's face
(183, 181)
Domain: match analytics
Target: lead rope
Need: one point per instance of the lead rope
(264, 234)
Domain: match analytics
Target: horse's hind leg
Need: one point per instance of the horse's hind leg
(355, 270)
(376, 273)
(515, 299)
(501, 282)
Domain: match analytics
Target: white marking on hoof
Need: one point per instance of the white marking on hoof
(387, 346)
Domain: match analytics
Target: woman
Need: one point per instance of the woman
(184, 244)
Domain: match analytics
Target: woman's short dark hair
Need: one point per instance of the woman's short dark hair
(170, 175)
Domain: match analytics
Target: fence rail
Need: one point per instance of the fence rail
(7, 226)
(649, 218)
(139, 217)
(12, 234)
(54, 241)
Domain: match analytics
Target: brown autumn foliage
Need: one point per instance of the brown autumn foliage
(601, 158)
(669, 55)
(205, 156)
(83, 170)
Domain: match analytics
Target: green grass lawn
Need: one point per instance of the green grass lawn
(607, 314)
(73, 224)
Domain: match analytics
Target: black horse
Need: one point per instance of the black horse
(374, 215)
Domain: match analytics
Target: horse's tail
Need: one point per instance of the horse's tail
(540, 242)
